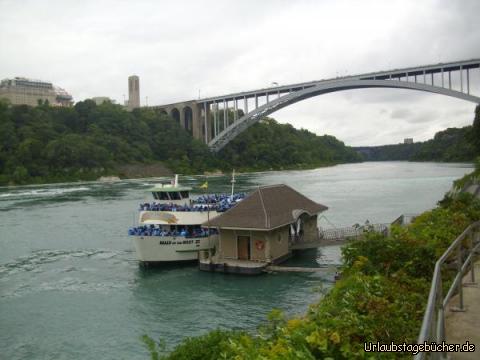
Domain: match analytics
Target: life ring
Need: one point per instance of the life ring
(260, 245)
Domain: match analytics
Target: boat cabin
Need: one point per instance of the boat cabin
(171, 192)
(261, 229)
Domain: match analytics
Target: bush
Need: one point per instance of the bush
(381, 297)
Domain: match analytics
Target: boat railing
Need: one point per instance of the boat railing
(142, 231)
(186, 208)
(460, 256)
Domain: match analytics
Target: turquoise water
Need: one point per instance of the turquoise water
(70, 287)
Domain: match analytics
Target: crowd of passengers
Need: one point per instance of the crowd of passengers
(151, 230)
(216, 202)
(218, 198)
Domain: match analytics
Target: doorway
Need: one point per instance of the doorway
(243, 247)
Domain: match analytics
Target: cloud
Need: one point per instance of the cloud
(401, 114)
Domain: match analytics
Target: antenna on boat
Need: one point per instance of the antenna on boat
(233, 182)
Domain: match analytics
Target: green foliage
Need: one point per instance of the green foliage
(211, 346)
(392, 152)
(450, 145)
(270, 145)
(48, 144)
(381, 297)
(154, 348)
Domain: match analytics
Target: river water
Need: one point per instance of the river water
(70, 287)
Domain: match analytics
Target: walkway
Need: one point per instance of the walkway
(465, 326)
(338, 236)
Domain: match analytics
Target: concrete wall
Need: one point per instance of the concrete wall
(228, 244)
(264, 246)
(258, 245)
(198, 126)
(310, 229)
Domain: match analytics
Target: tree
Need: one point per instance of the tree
(476, 130)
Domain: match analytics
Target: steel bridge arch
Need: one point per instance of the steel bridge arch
(232, 131)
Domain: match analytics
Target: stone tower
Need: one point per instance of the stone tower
(133, 92)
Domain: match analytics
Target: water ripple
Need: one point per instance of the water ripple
(37, 258)
(42, 192)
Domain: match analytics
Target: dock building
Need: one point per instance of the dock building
(23, 91)
(261, 230)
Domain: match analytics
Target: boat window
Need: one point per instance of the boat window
(163, 196)
(184, 194)
(174, 196)
(155, 195)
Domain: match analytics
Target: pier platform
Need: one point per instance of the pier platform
(232, 266)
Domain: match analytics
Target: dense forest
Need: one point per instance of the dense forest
(269, 145)
(450, 145)
(50, 144)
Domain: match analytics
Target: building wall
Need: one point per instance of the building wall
(30, 96)
(228, 244)
(258, 245)
(264, 246)
(310, 229)
(278, 243)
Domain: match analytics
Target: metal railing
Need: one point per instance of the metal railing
(461, 255)
(351, 232)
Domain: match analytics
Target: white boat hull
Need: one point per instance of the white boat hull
(168, 248)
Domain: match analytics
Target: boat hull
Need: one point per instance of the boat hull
(159, 249)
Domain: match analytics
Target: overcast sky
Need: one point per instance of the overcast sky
(179, 48)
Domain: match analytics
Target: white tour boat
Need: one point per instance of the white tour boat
(170, 228)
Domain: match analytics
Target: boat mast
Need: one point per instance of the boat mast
(233, 182)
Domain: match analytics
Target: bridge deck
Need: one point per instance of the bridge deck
(412, 71)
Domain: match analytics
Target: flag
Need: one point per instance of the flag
(204, 185)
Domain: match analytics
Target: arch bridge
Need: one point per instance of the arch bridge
(218, 120)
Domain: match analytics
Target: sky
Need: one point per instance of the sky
(182, 49)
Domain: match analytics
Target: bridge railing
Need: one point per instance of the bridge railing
(461, 255)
